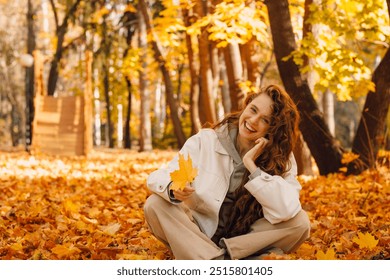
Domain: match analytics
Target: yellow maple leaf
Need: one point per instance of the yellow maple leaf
(365, 240)
(185, 174)
(329, 255)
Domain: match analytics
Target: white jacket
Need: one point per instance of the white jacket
(279, 196)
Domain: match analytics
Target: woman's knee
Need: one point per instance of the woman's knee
(301, 223)
(152, 204)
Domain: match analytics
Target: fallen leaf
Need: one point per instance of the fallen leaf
(134, 221)
(66, 250)
(16, 246)
(305, 250)
(110, 229)
(329, 255)
(365, 241)
(348, 157)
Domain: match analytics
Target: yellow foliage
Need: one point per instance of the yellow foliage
(234, 21)
(185, 174)
(247, 87)
(365, 241)
(336, 48)
(130, 8)
(97, 17)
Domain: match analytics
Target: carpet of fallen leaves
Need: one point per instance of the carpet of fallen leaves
(92, 208)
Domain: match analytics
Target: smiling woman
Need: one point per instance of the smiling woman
(254, 122)
(252, 206)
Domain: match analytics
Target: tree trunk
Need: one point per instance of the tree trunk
(307, 26)
(227, 106)
(53, 73)
(205, 71)
(145, 137)
(29, 78)
(128, 18)
(234, 73)
(159, 111)
(328, 110)
(88, 96)
(194, 83)
(167, 79)
(303, 157)
(215, 70)
(97, 113)
(325, 149)
(60, 32)
(370, 133)
(301, 151)
(16, 110)
(106, 85)
(250, 65)
(127, 140)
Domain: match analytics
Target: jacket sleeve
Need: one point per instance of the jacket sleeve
(159, 180)
(279, 196)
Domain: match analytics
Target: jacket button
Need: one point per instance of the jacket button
(160, 187)
(266, 177)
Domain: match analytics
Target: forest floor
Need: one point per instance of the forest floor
(54, 207)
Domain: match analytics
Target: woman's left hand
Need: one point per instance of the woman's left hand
(184, 194)
(250, 157)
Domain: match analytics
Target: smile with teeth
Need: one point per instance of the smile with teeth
(249, 127)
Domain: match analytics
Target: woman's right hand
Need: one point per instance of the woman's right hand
(182, 195)
(250, 157)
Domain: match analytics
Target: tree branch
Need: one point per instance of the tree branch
(388, 6)
(53, 7)
(70, 12)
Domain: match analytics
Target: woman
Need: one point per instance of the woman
(244, 201)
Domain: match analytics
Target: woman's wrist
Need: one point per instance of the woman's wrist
(250, 165)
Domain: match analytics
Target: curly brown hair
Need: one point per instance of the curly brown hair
(282, 135)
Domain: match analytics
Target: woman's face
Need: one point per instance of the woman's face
(255, 119)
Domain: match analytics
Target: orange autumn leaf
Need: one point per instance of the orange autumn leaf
(348, 157)
(130, 257)
(365, 241)
(110, 229)
(65, 250)
(329, 255)
(70, 206)
(16, 246)
(185, 174)
(305, 250)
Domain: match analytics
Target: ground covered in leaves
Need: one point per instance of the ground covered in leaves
(92, 208)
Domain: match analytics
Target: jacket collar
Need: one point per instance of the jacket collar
(226, 135)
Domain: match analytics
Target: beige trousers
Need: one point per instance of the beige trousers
(174, 225)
